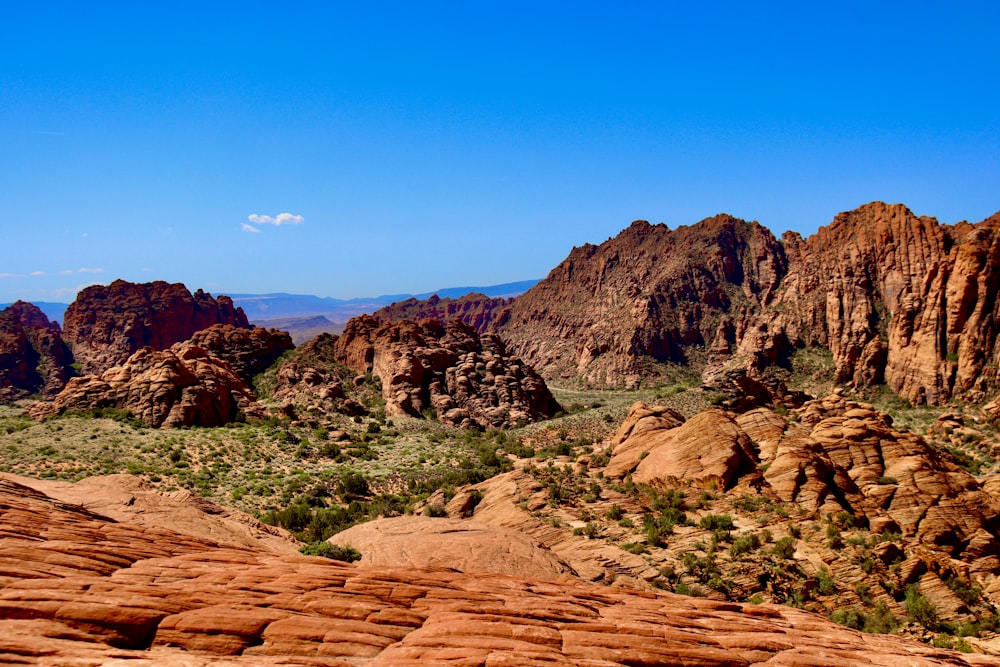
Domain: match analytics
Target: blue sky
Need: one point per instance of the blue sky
(414, 146)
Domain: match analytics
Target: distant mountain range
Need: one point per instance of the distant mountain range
(281, 305)
(264, 308)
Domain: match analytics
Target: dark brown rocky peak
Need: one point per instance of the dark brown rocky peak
(447, 370)
(33, 357)
(649, 294)
(477, 310)
(30, 315)
(107, 324)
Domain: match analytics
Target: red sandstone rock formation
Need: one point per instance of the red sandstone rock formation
(893, 296)
(33, 356)
(78, 589)
(463, 377)
(313, 380)
(107, 324)
(128, 499)
(182, 386)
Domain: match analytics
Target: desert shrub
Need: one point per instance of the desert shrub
(750, 503)
(825, 583)
(784, 548)
(352, 485)
(964, 590)
(346, 553)
(744, 544)
(834, 539)
(919, 609)
(635, 548)
(435, 510)
(714, 522)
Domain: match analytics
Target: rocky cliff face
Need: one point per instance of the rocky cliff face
(894, 297)
(33, 357)
(447, 369)
(107, 324)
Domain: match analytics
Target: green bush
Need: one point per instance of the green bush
(744, 544)
(717, 522)
(435, 510)
(347, 553)
(784, 548)
(919, 609)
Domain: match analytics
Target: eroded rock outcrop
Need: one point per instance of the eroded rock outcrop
(248, 351)
(129, 499)
(79, 589)
(836, 456)
(33, 357)
(312, 379)
(448, 369)
(181, 386)
(895, 297)
(105, 325)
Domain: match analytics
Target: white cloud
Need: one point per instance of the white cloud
(249, 228)
(277, 221)
(69, 272)
(288, 219)
(9, 275)
(38, 273)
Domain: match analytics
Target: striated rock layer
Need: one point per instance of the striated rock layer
(894, 297)
(105, 325)
(79, 589)
(33, 357)
(464, 378)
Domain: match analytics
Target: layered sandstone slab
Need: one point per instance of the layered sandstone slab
(79, 589)
(465, 546)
